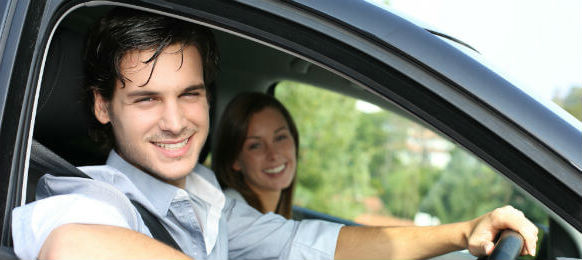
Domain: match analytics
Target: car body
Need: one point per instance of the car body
(350, 47)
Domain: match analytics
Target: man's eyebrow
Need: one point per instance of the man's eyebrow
(145, 92)
(195, 87)
(141, 93)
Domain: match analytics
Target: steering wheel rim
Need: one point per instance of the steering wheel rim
(508, 246)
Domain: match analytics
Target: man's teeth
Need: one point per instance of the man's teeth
(173, 146)
(275, 170)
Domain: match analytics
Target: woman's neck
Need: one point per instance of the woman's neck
(269, 200)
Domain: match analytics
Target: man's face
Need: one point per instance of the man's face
(159, 127)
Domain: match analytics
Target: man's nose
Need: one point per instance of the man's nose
(172, 118)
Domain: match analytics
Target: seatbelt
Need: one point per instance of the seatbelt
(44, 160)
(158, 231)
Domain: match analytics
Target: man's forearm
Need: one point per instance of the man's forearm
(476, 235)
(81, 241)
(410, 242)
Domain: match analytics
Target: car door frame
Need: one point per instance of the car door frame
(432, 97)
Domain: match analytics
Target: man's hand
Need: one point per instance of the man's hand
(413, 242)
(485, 228)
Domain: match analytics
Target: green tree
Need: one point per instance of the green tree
(572, 102)
(468, 188)
(333, 174)
(347, 155)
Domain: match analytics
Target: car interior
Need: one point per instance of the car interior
(61, 119)
(61, 124)
(60, 127)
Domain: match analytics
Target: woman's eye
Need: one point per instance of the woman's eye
(254, 146)
(281, 137)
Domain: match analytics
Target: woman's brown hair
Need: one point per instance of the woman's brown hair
(230, 136)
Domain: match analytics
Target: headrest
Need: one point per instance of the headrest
(61, 122)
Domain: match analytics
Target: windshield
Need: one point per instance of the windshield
(543, 57)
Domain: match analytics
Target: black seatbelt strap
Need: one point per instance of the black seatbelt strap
(43, 159)
(158, 231)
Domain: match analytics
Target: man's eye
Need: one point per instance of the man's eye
(191, 94)
(144, 100)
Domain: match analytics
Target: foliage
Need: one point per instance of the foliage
(348, 155)
(449, 196)
(572, 102)
(324, 168)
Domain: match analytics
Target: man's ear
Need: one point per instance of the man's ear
(236, 166)
(101, 108)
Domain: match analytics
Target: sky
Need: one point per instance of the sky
(538, 43)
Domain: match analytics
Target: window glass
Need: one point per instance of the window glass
(366, 164)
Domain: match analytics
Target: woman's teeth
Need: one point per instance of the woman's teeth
(275, 170)
(173, 146)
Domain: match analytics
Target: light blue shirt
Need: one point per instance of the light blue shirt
(203, 222)
(234, 195)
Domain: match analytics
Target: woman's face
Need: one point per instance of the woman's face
(267, 159)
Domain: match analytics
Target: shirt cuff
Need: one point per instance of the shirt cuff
(318, 236)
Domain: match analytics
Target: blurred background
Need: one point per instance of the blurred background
(387, 170)
(535, 43)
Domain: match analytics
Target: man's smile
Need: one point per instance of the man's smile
(172, 145)
(174, 148)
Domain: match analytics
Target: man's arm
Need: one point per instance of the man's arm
(83, 241)
(477, 235)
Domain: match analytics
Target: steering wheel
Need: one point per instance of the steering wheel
(508, 246)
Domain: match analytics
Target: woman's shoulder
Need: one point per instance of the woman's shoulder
(234, 194)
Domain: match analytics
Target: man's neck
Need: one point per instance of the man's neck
(179, 183)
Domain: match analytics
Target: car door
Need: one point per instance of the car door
(383, 57)
(22, 42)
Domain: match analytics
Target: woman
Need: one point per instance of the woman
(255, 157)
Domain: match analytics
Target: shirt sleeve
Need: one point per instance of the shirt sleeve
(32, 223)
(253, 235)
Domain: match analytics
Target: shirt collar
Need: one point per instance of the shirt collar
(159, 193)
(203, 184)
(200, 183)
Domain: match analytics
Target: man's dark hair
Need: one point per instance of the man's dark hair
(123, 30)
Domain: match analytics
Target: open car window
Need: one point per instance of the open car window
(375, 167)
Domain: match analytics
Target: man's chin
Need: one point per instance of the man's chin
(174, 171)
(168, 172)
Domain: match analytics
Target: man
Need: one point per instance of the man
(147, 78)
